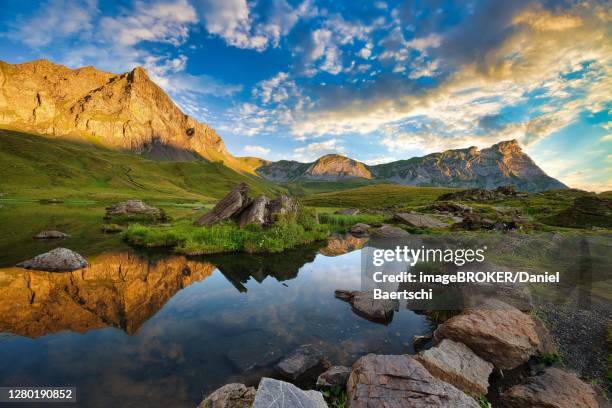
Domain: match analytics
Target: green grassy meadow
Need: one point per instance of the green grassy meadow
(35, 167)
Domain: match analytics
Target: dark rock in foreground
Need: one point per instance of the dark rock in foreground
(51, 235)
(360, 230)
(232, 395)
(400, 381)
(57, 260)
(279, 394)
(300, 361)
(334, 376)
(553, 388)
(586, 212)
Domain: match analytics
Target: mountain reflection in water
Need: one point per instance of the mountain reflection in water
(137, 329)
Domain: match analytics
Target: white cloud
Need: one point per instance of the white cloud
(313, 151)
(163, 21)
(276, 89)
(257, 151)
(54, 20)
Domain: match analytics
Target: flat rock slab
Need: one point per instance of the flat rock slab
(334, 376)
(387, 231)
(376, 310)
(300, 361)
(553, 388)
(232, 395)
(348, 211)
(132, 207)
(419, 220)
(456, 364)
(499, 333)
(51, 235)
(230, 205)
(279, 394)
(57, 260)
(397, 381)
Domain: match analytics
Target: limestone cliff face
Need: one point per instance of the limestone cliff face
(126, 111)
(120, 290)
(501, 164)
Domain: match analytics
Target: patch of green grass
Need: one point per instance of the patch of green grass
(550, 358)
(336, 397)
(378, 195)
(43, 168)
(186, 238)
(346, 221)
(483, 402)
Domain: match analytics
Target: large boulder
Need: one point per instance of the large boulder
(57, 260)
(229, 206)
(334, 376)
(418, 220)
(456, 364)
(498, 333)
(233, 395)
(134, 208)
(300, 361)
(554, 388)
(52, 234)
(397, 381)
(273, 393)
(256, 213)
(282, 206)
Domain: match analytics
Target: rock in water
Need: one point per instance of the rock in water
(51, 235)
(231, 205)
(360, 230)
(334, 376)
(419, 220)
(553, 388)
(57, 260)
(300, 361)
(348, 211)
(279, 394)
(456, 364)
(387, 231)
(233, 395)
(376, 310)
(498, 333)
(132, 208)
(256, 213)
(400, 381)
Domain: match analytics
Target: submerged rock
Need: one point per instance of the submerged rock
(334, 376)
(419, 220)
(51, 235)
(499, 333)
(376, 310)
(553, 388)
(229, 206)
(300, 361)
(400, 381)
(232, 395)
(57, 260)
(273, 393)
(456, 364)
(348, 211)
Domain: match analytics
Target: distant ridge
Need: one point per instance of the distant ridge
(502, 164)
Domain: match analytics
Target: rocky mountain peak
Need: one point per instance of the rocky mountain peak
(335, 166)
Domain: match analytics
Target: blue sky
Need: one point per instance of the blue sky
(374, 80)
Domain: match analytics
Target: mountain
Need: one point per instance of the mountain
(502, 164)
(126, 111)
